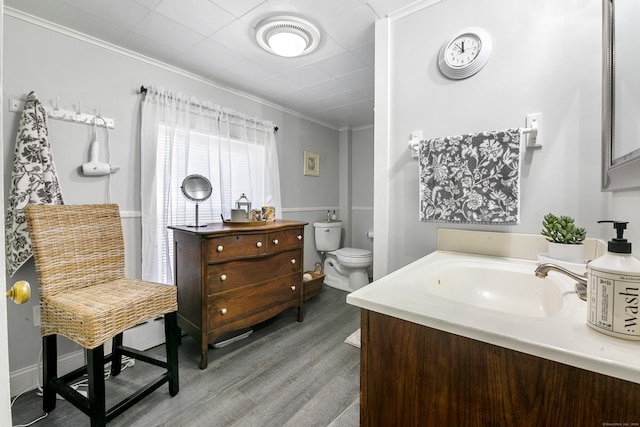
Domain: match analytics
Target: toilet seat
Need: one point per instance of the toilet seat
(353, 253)
(353, 257)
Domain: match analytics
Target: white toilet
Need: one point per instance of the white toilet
(346, 268)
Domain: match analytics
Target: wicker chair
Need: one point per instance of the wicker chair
(84, 296)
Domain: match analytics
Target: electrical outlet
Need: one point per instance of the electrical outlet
(36, 315)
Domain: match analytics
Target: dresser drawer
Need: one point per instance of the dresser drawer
(286, 239)
(238, 246)
(232, 274)
(230, 306)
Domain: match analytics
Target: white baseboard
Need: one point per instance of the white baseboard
(30, 377)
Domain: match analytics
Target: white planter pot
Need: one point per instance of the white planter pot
(565, 252)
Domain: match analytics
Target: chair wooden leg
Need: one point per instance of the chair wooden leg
(116, 355)
(172, 338)
(95, 373)
(49, 372)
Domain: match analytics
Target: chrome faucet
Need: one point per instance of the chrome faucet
(581, 286)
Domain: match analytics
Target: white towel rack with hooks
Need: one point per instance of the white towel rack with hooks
(17, 105)
(531, 134)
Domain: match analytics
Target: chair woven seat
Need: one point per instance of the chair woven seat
(94, 314)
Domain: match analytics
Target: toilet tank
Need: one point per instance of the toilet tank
(328, 235)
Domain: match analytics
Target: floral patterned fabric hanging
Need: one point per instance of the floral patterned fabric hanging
(33, 181)
(472, 178)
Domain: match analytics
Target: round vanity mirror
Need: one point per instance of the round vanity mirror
(196, 188)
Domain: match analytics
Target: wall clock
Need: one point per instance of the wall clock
(465, 53)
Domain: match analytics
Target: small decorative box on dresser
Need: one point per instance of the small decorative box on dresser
(232, 276)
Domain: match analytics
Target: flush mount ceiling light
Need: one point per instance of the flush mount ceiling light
(287, 36)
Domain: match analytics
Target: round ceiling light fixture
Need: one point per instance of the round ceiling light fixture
(287, 36)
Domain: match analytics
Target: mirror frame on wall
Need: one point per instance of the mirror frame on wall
(622, 173)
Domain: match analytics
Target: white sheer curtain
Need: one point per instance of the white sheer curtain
(182, 136)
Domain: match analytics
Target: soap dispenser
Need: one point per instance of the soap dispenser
(613, 291)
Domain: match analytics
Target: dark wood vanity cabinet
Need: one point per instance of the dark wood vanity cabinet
(413, 375)
(230, 277)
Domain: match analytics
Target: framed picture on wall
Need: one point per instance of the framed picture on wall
(311, 163)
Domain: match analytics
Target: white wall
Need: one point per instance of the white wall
(546, 58)
(55, 63)
(361, 187)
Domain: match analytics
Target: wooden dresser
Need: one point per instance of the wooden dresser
(230, 277)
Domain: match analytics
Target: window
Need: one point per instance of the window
(179, 136)
(233, 167)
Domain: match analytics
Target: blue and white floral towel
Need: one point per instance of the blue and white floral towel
(473, 178)
(33, 181)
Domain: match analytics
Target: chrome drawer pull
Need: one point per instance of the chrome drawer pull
(293, 261)
(223, 277)
(299, 237)
(293, 288)
(259, 244)
(220, 248)
(223, 311)
(275, 241)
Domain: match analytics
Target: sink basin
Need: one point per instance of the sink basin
(507, 286)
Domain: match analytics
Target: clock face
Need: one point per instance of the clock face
(464, 54)
(463, 50)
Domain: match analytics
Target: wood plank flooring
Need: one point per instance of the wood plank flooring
(285, 374)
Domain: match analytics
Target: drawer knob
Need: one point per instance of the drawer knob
(259, 244)
(223, 277)
(293, 288)
(223, 311)
(299, 237)
(275, 241)
(293, 261)
(220, 248)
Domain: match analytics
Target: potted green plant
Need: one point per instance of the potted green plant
(564, 237)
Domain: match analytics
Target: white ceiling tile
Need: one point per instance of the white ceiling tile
(148, 3)
(148, 47)
(45, 10)
(249, 73)
(340, 64)
(326, 10)
(365, 53)
(212, 53)
(385, 7)
(353, 115)
(277, 85)
(167, 32)
(332, 101)
(267, 9)
(204, 59)
(127, 13)
(240, 37)
(358, 79)
(89, 24)
(238, 7)
(297, 97)
(353, 28)
(307, 74)
(201, 16)
(330, 87)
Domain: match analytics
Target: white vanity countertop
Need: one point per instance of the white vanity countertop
(563, 337)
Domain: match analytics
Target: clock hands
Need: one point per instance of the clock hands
(460, 47)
